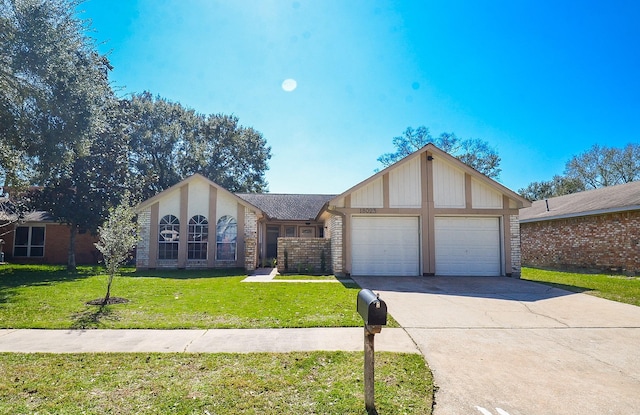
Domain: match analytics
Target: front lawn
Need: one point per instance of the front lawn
(51, 297)
(261, 383)
(612, 287)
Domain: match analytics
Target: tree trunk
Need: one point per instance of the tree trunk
(71, 259)
(108, 294)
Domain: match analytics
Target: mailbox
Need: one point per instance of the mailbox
(371, 308)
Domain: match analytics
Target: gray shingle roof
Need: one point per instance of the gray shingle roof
(623, 197)
(287, 206)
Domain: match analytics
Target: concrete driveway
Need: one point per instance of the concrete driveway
(506, 346)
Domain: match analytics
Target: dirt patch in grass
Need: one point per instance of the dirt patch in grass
(110, 301)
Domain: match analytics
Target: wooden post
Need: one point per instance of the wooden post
(369, 371)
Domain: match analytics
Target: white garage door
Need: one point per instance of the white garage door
(467, 246)
(383, 245)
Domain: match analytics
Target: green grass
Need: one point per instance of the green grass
(292, 383)
(612, 287)
(51, 297)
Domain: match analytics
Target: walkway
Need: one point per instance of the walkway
(205, 341)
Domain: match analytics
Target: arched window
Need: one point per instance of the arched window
(168, 236)
(198, 237)
(226, 235)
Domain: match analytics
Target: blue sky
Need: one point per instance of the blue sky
(539, 80)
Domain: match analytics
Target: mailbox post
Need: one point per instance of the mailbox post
(374, 314)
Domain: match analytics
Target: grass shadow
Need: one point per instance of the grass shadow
(13, 276)
(566, 287)
(93, 317)
(184, 274)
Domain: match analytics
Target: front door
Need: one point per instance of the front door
(273, 232)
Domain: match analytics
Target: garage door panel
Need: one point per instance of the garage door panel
(467, 246)
(385, 246)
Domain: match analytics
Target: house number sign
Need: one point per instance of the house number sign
(367, 210)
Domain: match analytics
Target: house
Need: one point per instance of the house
(37, 238)
(294, 217)
(428, 214)
(175, 226)
(595, 230)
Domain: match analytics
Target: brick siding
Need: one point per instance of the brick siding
(336, 235)
(516, 254)
(601, 243)
(250, 239)
(144, 229)
(304, 255)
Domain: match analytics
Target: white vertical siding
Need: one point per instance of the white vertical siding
(448, 185)
(169, 205)
(226, 205)
(199, 199)
(484, 197)
(368, 196)
(404, 185)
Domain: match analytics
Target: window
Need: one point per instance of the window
(198, 237)
(168, 236)
(290, 231)
(29, 241)
(226, 234)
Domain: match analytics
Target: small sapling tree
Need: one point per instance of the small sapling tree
(117, 237)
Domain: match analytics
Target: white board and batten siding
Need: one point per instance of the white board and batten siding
(369, 196)
(385, 245)
(448, 185)
(468, 246)
(405, 186)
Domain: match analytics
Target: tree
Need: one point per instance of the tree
(602, 166)
(118, 236)
(170, 142)
(473, 152)
(558, 186)
(57, 104)
(597, 167)
(231, 155)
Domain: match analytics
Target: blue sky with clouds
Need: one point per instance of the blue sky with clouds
(539, 80)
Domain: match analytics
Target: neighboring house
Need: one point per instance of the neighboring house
(594, 230)
(38, 239)
(428, 214)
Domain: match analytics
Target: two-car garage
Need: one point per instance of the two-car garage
(390, 245)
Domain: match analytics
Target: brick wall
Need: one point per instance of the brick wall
(516, 253)
(250, 240)
(336, 235)
(144, 229)
(304, 255)
(604, 243)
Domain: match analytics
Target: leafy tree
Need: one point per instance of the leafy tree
(57, 105)
(157, 129)
(118, 236)
(473, 152)
(170, 142)
(597, 167)
(558, 186)
(602, 166)
(231, 155)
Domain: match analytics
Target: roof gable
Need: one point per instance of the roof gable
(190, 179)
(449, 159)
(619, 198)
